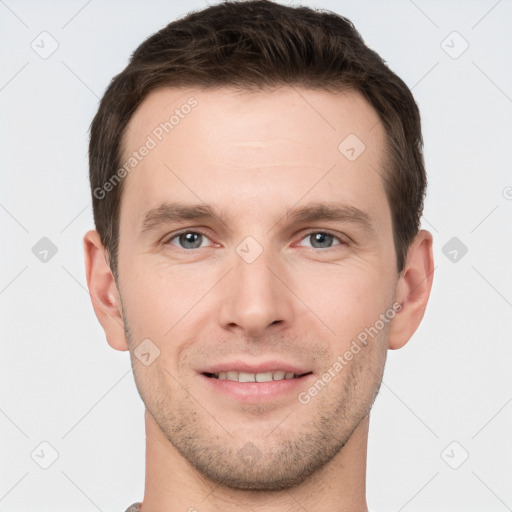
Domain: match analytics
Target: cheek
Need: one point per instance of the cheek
(163, 302)
(152, 301)
(346, 300)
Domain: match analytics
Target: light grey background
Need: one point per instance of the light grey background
(62, 384)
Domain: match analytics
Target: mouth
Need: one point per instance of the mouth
(268, 376)
(256, 382)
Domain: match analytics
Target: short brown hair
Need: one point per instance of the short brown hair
(259, 44)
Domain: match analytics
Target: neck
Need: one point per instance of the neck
(172, 484)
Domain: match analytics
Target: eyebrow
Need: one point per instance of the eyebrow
(177, 212)
(312, 212)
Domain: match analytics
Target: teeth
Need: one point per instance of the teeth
(264, 377)
(254, 377)
(246, 377)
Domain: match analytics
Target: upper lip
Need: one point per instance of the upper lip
(256, 367)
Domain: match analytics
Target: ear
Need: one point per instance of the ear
(103, 291)
(413, 290)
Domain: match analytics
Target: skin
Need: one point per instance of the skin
(254, 156)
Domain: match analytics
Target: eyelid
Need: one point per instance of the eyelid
(167, 239)
(343, 239)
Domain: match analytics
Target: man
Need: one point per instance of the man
(257, 181)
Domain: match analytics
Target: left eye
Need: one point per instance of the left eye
(321, 240)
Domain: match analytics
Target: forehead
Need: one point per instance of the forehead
(222, 145)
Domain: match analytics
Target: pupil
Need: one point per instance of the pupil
(321, 238)
(189, 240)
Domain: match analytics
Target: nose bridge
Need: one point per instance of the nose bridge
(254, 297)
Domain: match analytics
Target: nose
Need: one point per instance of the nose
(254, 297)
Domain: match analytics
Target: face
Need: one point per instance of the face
(254, 247)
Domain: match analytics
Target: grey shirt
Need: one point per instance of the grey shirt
(134, 508)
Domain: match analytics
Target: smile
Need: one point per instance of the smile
(237, 376)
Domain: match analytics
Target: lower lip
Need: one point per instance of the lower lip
(257, 392)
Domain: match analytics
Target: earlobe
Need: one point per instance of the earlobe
(413, 290)
(103, 291)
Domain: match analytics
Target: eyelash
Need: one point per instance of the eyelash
(309, 233)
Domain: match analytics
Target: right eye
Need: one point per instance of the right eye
(188, 239)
